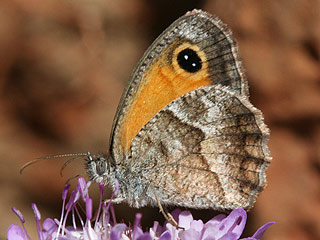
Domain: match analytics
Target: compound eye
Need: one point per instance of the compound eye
(100, 167)
(189, 60)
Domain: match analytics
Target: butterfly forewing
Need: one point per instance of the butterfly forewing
(158, 80)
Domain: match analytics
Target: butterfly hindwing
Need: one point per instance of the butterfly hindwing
(207, 148)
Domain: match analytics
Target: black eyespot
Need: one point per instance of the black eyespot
(189, 60)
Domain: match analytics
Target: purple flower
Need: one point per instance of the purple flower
(220, 227)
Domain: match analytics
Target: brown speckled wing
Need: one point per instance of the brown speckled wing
(207, 149)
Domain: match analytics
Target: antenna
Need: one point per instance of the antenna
(51, 157)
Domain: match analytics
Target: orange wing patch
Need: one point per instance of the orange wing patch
(163, 82)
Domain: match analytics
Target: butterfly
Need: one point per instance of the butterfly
(185, 132)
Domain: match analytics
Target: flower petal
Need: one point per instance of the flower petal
(137, 231)
(19, 214)
(210, 230)
(259, 233)
(172, 230)
(49, 225)
(117, 231)
(229, 236)
(185, 219)
(89, 233)
(197, 225)
(211, 227)
(234, 223)
(101, 187)
(37, 216)
(89, 208)
(145, 236)
(190, 234)
(175, 214)
(156, 230)
(218, 218)
(15, 232)
(65, 191)
(165, 236)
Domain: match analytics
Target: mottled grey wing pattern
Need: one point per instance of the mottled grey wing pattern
(207, 149)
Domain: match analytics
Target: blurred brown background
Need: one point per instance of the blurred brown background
(64, 64)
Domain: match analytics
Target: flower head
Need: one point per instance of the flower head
(220, 227)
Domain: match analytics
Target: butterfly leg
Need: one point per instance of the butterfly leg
(167, 215)
(116, 200)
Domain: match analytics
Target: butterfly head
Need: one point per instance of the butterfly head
(99, 167)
